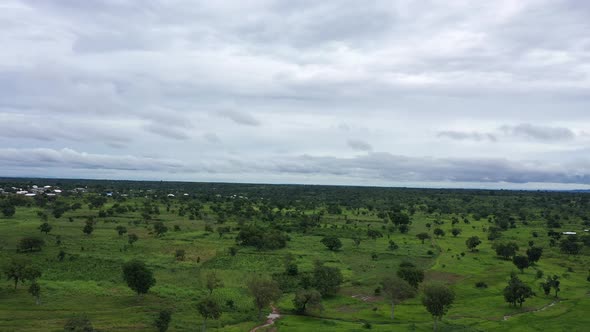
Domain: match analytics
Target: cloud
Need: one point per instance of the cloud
(359, 145)
(166, 131)
(72, 159)
(212, 138)
(541, 133)
(462, 135)
(240, 117)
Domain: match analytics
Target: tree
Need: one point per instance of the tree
(8, 211)
(438, 299)
(374, 234)
(138, 277)
(455, 232)
(326, 279)
(397, 290)
(208, 309)
(356, 240)
(551, 282)
(160, 228)
(45, 228)
(163, 320)
(331, 242)
(213, 282)
(88, 228)
(534, 254)
(35, 290)
(305, 299)
(439, 232)
(21, 269)
(473, 242)
(30, 243)
(412, 275)
(423, 236)
(79, 323)
(570, 246)
(517, 291)
(121, 230)
(132, 238)
(521, 262)
(506, 250)
(264, 292)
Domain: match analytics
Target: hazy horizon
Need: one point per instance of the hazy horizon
(435, 94)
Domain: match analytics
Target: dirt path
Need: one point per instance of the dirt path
(531, 311)
(270, 319)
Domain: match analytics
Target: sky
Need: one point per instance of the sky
(474, 94)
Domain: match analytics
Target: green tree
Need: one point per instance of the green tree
(570, 246)
(208, 309)
(397, 290)
(326, 279)
(306, 299)
(264, 292)
(80, 323)
(8, 211)
(213, 282)
(88, 228)
(412, 275)
(423, 236)
(29, 243)
(437, 299)
(521, 262)
(356, 240)
(374, 234)
(455, 232)
(163, 320)
(517, 291)
(506, 250)
(45, 228)
(121, 230)
(132, 238)
(35, 290)
(332, 243)
(160, 228)
(21, 269)
(439, 232)
(472, 243)
(138, 277)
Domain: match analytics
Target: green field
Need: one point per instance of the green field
(89, 280)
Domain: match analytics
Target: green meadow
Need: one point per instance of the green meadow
(89, 279)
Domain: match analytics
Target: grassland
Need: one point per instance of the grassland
(89, 280)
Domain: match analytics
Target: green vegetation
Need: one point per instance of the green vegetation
(327, 258)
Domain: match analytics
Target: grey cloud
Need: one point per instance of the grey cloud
(463, 135)
(359, 145)
(166, 131)
(212, 138)
(541, 133)
(240, 117)
(72, 159)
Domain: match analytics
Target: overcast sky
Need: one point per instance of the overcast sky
(491, 94)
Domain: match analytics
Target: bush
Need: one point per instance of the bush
(481, 285)
(79, 324)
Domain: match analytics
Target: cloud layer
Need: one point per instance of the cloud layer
(379, 92)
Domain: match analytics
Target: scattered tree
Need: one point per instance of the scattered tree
(472, 243)
(455, 232)
(439, 232)
(163, 320)
(306, 299)
(35, 290)
(45, 228)
(506, 250)
(264, 292)
(121, 230)
(326, 279)
(534, 254)
(21, 269)
(30, 243)
(397, 290)
(80, 323)
(138, 277)
(160, 228)
(437, 299)
(423, 236)
(332, 243)
(132, 238)
(213, 282)
(517, 291)
(208, 309)
(521, 262)
(412, 275)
